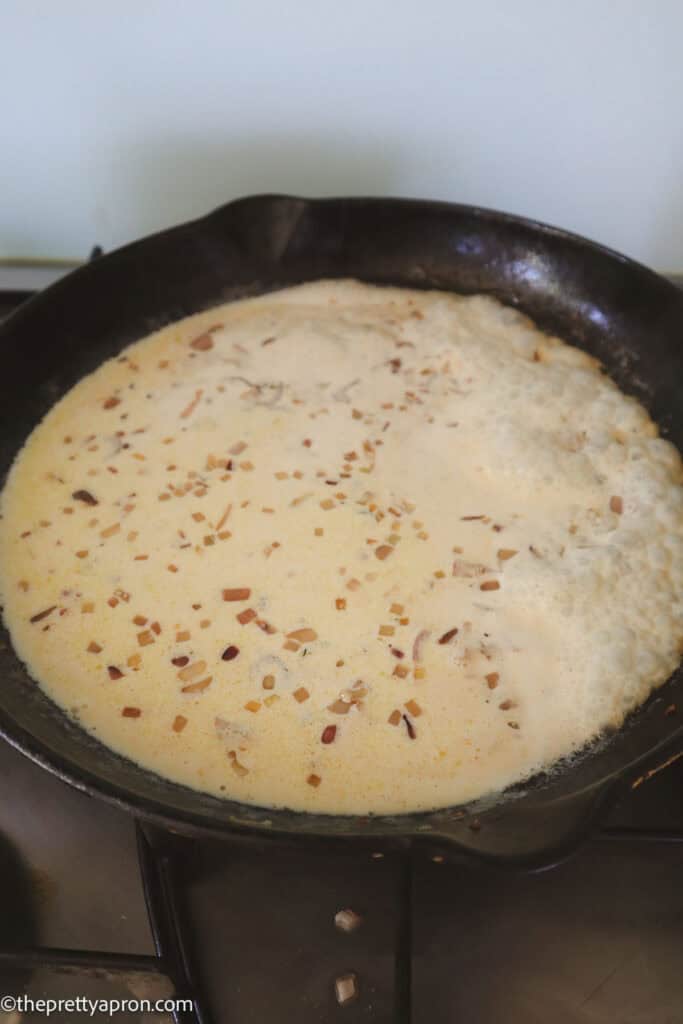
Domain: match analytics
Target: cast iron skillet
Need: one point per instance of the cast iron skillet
(621, 312)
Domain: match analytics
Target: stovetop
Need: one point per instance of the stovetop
(93, 904)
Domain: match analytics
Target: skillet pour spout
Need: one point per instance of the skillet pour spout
(624, 314)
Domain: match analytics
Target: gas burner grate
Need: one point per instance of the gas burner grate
(172, 973)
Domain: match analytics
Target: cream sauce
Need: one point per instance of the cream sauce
(346, 549)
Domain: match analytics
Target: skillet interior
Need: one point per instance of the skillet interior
(627, 316)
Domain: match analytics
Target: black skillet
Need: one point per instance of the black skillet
(626, 315)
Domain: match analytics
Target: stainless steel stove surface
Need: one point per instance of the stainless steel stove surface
(246, 929)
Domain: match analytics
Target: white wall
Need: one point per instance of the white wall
(120, 118)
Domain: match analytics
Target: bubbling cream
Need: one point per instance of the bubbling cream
(346, 549)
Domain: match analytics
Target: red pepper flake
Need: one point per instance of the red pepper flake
(397, 653)
(202, 343)
(340, 604)
(39, 616)
(181, 661)
(514, 725)
(469, 519)
(114, 672)
(156, 628)
(111, 403)
(489, 585)
(301, 695)
(314, 780)
(246, 616)
(85, 496)
(492, 680)
(179, 723)
(616, 504)
(395, 717)
(505, 705)
(237, 594)
(307, 442)
(329, 733)
(383, 551)
(230, 653)
(131, 712)
(93, 648)
(409, 726)
(448, 635)
(140, 620)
